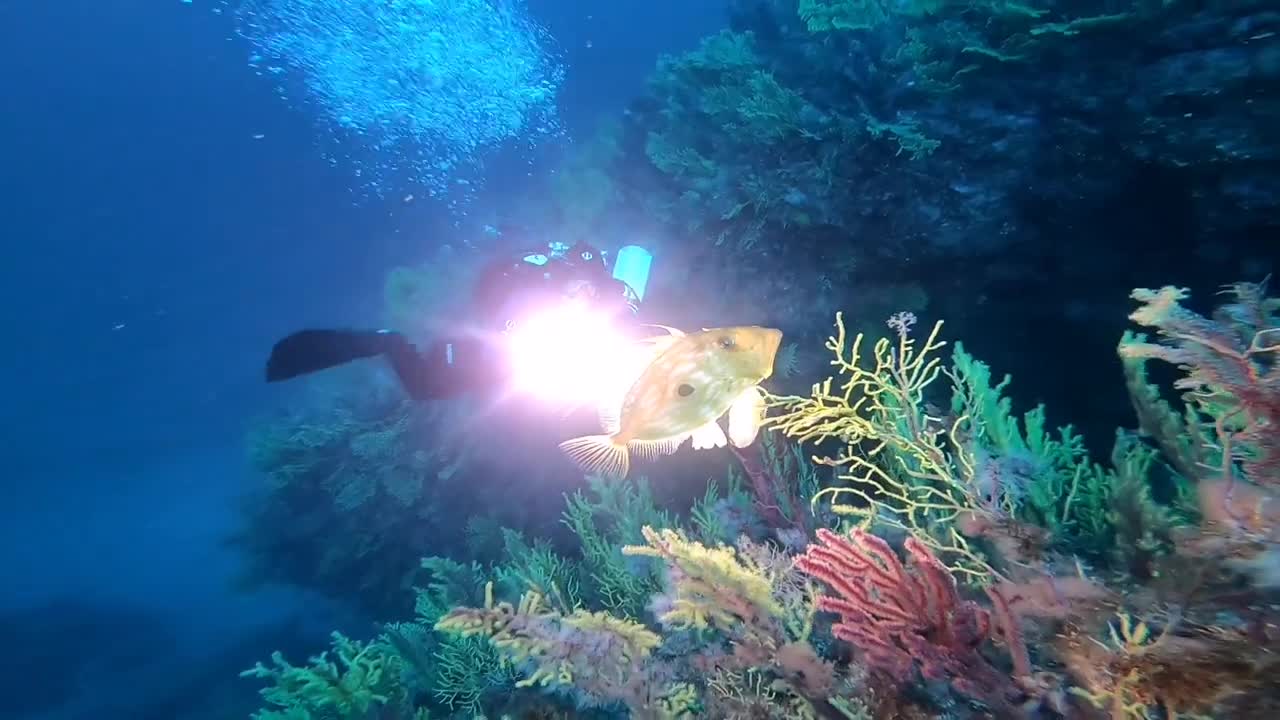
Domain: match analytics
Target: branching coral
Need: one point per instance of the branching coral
(975, 471)
(780, 477)
(752, 601)
(1137, 530)
(945, 41)
(613, 519)
(721, 515)
(1226, 436)
(711, 588)
(905, 469)
(539, 568)
(904, 619)
(1024, 471)
(975, 493)
(462, 673)
(722, 105)
(603, 657)
(353, 474)
(760, 608)
(824, 15)
(364, 677)
(1138, 671)
(1231, 375)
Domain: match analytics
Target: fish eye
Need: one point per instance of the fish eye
(727, 342)
(685, 390)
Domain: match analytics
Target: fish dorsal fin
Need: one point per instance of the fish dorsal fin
(674, 332)
(745, 415)
(709, 436)
(660, 343)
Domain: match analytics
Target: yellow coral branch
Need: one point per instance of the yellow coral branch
(902, 468)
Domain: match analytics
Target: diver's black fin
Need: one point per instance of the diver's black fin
(308, 351)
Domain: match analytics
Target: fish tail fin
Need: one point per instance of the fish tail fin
(600, 454)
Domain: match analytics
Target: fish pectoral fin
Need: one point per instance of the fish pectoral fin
(709, 436)
(745, 416)
(598, 454)
(651, 449)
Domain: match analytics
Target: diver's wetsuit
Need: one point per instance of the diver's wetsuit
(454, 366)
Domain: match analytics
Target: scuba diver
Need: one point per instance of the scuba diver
(467, 362)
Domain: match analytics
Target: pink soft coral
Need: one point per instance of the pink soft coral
(1231, 366)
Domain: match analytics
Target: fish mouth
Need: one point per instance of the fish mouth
(772, 341)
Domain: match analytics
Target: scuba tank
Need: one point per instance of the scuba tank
(632, 269)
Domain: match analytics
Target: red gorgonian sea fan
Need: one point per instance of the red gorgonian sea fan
(904, 619)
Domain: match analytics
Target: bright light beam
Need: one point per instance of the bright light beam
(569, 356)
